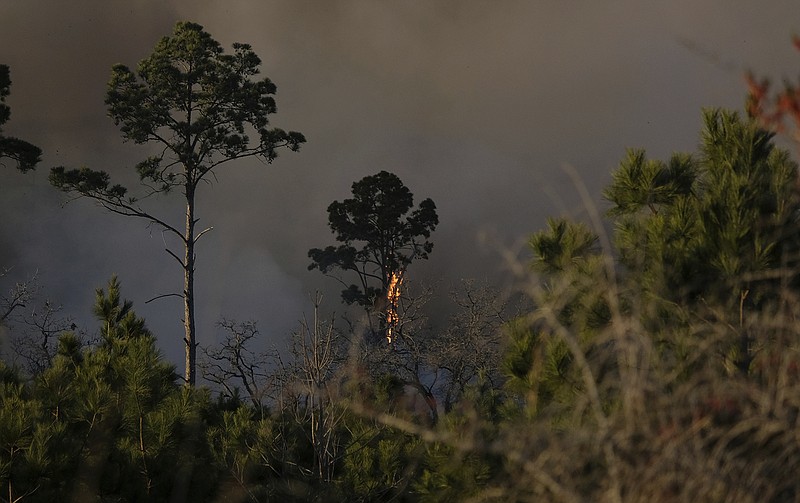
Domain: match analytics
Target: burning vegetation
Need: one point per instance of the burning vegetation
(392, 303)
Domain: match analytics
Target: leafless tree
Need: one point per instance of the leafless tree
(469, 347)
(405, 359)
(318, 352)
(234, 363)
(39, 329)
(436, 365)
(17, 297)
(34, 325)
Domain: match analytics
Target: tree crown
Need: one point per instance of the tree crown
(199, 103)
(379, 235)
(25, 155)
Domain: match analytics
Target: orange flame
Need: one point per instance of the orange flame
(392, 301)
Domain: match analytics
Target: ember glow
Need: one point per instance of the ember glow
(392, 301)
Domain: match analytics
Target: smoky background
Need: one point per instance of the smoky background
(476, 106)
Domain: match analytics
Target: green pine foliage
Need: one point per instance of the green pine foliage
(102, 421)
(672, 355)
(380, 462)
(667, 371)
(709, 225)
(719, 240)
(462, 465)
(661, 366)
(242, 447)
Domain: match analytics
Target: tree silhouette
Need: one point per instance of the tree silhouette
(379, 237)
(199, 106)
(25, 155)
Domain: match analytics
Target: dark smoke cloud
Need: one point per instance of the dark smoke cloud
(477, 105)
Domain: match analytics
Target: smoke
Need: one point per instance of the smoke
(475, 106)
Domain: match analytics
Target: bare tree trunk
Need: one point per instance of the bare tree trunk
(188, 290)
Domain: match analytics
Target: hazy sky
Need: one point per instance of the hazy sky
(476, 104)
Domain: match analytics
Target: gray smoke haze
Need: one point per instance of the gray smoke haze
(477, 105)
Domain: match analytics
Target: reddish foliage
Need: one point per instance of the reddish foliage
(774, 111)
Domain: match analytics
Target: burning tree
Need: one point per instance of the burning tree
(392, 303)
(379, 239)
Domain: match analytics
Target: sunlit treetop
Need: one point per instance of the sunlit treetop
(200, 104)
